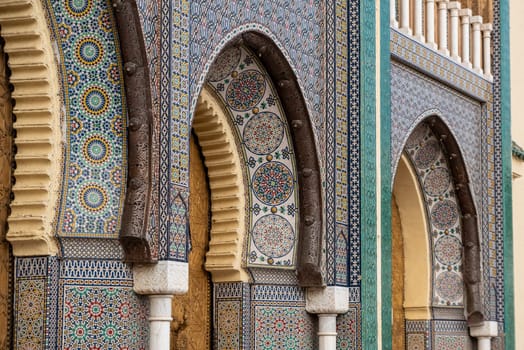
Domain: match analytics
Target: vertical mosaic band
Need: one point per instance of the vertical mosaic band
(505, 114)
(385, 171)
(368, 116)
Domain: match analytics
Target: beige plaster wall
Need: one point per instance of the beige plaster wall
(517, 129)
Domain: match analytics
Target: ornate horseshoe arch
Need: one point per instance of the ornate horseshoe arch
(36, 116)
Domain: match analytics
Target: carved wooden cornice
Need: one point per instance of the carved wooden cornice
(36, 112)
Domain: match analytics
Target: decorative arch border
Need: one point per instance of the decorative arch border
(310, 257)
(36, 111)
(228, 191)
(471, 271)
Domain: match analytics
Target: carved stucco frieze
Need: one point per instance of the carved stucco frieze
(164, 277)
(37, 175)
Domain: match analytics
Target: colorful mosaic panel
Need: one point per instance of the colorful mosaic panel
(94, 162)
(30, 314)
(35, 303)
(348, 329)
(231, 312)
(102, 317)
(98, 309)
(447, 342)
(283, 328)
(258, 120)
(425, 153)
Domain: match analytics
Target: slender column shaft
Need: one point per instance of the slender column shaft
(159, 321)
(486, 48)
(476, 21)
(327, 331)
(454, 8)
(430, 23)
(404, 16)
(393, 13)
(465, 16)
(484, 343)
(443, 26)
(417, 20)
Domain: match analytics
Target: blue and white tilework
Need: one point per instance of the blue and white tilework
(428, 158)
(260, 126)
(95, 118)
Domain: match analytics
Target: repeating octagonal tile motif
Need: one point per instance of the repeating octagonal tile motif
(437, 181)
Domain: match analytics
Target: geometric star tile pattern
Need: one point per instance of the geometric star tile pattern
(94, 154)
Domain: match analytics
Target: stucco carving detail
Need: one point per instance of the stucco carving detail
(228, 225)
(37, 123)
(164, 277)
(328, 300)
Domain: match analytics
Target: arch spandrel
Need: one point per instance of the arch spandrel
(35, 80)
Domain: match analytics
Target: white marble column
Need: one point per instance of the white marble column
(476, 22)
(465, 15)
(417, 20)
(430, 24)
(393, 13)
(454, 8)
(486, 48)
(443, 26)
(404, 17)
(484, 333)
(327, 303)
(160, 282)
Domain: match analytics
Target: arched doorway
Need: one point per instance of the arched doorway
(438, 240)
(191, 312)
(410, 253)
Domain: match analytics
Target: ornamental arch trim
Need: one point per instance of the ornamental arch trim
(36, 111)
(305, 170)
(441, 138)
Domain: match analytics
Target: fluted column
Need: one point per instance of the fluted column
(404, 17)
(486, 48)
(417, 20)
(443, 26)
(393, 13)
(454, 8)
(476, 22)
(430, 24)
(465, 16)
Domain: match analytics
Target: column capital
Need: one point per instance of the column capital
(486, 27)
(164, 277)
(454, 5)
(476, 20)
(465, 14)
(328, 300)
(485, 329)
